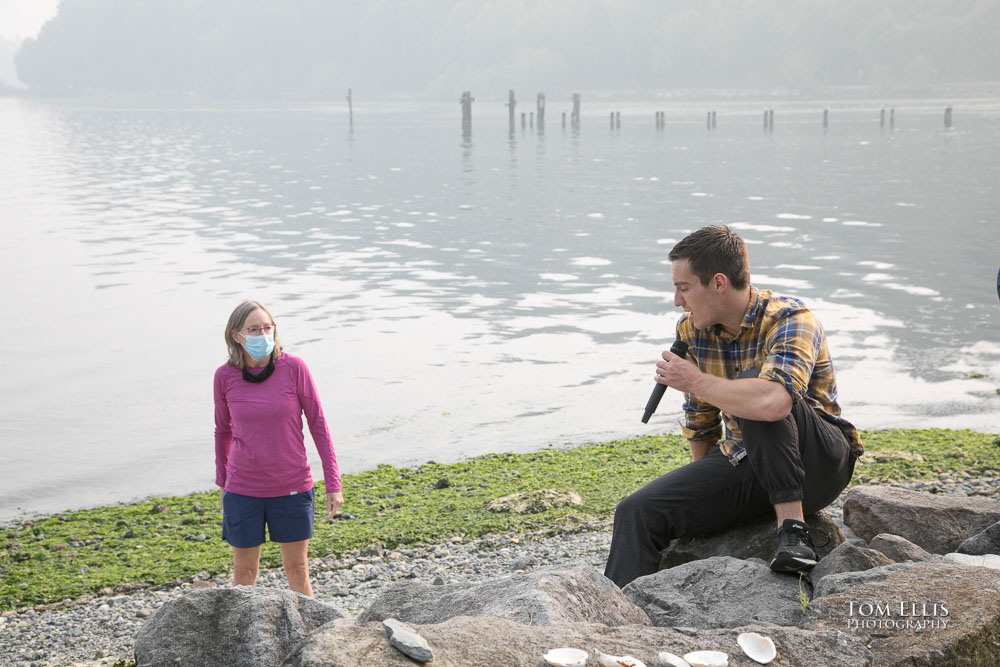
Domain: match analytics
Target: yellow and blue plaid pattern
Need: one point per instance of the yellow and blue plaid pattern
(782, 338)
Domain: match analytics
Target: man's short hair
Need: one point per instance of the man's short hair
(715, 249)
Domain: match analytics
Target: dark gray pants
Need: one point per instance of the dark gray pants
(802, 457)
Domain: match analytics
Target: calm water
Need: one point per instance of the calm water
(457, 295)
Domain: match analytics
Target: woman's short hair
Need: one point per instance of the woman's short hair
(715, 249)
(236, 321)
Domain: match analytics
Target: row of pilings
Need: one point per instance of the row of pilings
(711, 117)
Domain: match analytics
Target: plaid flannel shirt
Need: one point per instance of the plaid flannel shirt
(782, 338)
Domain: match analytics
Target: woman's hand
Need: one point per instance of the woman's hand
(222, 494)
(333, 502)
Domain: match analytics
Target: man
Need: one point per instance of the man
(760, 414)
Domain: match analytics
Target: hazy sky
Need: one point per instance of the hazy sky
(20, 19)
(436, 48)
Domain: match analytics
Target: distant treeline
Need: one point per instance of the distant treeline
(263, 48)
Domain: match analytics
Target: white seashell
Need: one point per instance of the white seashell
(758, 647)
(707, 658)
(618, 661)
(566, 657)
(668, 659)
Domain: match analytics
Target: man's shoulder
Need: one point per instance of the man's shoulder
(779, 306)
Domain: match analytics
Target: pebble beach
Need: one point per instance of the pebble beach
(99, 630)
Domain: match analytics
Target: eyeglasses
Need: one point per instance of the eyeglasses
(265, 330)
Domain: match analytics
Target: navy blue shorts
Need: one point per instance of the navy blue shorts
(288, 518)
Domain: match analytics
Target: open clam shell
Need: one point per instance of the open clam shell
(566, 657)
(617, 660)
(668, 659)
(758, 647)
(707, 658)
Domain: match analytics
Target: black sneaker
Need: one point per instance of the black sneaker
(796, 551)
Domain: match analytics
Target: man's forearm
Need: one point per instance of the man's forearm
(752, 398)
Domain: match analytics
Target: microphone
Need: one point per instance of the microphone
(680, 348)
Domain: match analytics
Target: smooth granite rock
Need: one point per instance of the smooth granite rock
(464, 642)
(229, 627)
(719, 592)
(898, 549)
(926, 614)
(545, 596)
(938, 524)
(980, 544)
(847, 558)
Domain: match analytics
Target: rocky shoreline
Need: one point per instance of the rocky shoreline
(101, 630)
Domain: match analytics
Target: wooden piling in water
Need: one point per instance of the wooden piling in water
(575, 117)
(564, 120)
(826, 118)
(511, 104)
(524, 120)
(947, 117)
(618, 120)
(540, 106)
(612, 120)
(350, 107)
(713, 119)
(881, 119)
(531, 119)
(466, 102)
(892, 119)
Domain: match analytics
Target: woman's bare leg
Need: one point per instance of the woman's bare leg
(246, 564)
(295, 560)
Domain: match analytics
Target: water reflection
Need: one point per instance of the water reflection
(511, 298)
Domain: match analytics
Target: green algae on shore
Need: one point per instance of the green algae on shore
(162, 540)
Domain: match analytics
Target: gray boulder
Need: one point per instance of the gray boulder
(936, 523)
(719, 592)
(545, 596)
(991, 561)
(926, 614)
(898, 548)
(238, 626)
(758, 539)
(847, 558)
(848, 581)
(464, 641)
(980, 544)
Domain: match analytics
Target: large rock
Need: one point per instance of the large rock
(937, 523)
(848, 581)
(758, 539)
(927, 614)
(719, 592)
(229, 626)
(463, 641)
(992, 561)
(847, 558)
(980, 544)
(544, 596)
(898, 548)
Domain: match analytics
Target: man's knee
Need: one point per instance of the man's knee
(629, 507)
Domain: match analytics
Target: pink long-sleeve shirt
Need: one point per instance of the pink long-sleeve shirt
(259, 445)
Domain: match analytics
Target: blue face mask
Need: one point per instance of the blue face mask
(259, 347)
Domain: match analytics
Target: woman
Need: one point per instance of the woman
(260, 456)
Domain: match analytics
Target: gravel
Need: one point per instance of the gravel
(100, 631)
